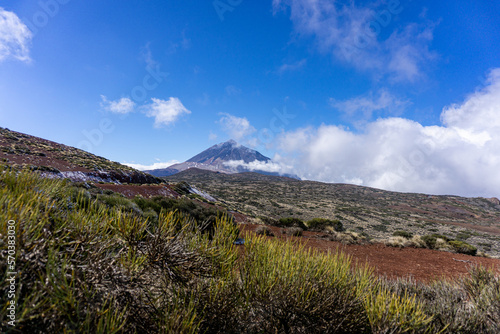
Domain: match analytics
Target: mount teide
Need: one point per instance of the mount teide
(228, 157)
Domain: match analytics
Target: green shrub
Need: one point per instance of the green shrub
(429, 241)
(292, 290)
(390, 313)
(291, 222)
(463, 247)
(380, 228)
(403, 234)
(319, 224)
(94, 267)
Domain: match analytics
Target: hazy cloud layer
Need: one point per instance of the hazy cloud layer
(461, 157)
(362, 108)
(352, 34)
(290, 67)
(165, 112)
(255, 165)
(156, 165)
(15, 37)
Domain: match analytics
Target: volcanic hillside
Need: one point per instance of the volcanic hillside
(371, 212)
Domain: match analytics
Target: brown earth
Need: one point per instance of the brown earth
(420, 264)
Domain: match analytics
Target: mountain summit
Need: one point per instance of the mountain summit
(228, 157)
(228, 151)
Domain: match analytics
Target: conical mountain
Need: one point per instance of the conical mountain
(215, 159)
(228, 151)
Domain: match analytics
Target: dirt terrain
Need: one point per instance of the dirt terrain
(420, 264)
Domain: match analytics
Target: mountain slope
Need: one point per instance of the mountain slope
(58, 160)
(377, 213)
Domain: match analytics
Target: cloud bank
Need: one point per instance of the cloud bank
(15, 37)
(256, 165)
(363, 107)
(460, 157)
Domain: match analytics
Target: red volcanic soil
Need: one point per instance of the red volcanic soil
(145, 191)
(48, 160)
(420, 264)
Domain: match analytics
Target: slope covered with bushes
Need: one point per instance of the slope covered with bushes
(90, 264)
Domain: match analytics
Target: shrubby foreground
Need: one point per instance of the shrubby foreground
(87, 264)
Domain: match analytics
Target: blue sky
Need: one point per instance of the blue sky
(400, 95)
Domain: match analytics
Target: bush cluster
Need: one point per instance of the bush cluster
(320, 224)
(431, 241)
(292, 222)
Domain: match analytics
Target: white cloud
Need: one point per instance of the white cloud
(156, 165)
(291, 67)
(480, 112)
(236, 127)
(122, 106)
(15, 37)
(353, 35)
(363, 107)
(460, 157)
(165, 112)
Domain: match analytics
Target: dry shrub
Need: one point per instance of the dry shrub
(418, 242)
(348, 238)
(397, 242)
(442, 245)
(294, 231)
(264, 230)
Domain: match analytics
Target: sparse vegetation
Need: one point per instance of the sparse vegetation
(95, 262)
(403, 234)
(380, 213)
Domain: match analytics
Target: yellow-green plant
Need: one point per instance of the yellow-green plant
(390, 313)
(291, 288)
